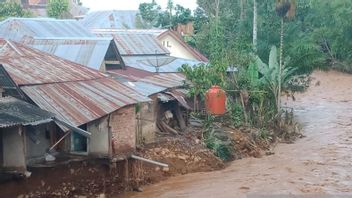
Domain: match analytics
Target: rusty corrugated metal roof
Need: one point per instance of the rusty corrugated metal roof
(72, 92)
(167, 80)
(117, 19)
(84, 101)
(129, 73)
(135, 43)
(64, 38)
(28, 66)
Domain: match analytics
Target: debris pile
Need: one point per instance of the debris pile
(183, 155)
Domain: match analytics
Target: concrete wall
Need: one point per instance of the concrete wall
(13, 149)
(175, 47)
(99, 141)
(146, 123)
(123, 130)
(37, 141)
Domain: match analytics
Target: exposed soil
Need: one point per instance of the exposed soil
(319, 165)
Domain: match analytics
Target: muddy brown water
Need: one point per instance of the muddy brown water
(318, 165)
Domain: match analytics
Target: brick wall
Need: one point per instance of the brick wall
(123, 130)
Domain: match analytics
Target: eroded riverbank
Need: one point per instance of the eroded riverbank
(320, 163)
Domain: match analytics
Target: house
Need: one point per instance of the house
(67, 39)
(25, 132)
(130, 21)
(114, 19)
(178, 47)
(141, 50)
(81, 99)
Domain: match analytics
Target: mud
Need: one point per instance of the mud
(320, 163)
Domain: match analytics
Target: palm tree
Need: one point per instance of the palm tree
(284, 8)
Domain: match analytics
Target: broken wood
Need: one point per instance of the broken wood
(180, 119)
(166, 128)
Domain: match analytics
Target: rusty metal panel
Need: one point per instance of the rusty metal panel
(167, 80)
(83, 101)
(145, 89)
(30, 66)
(129, 73)
(135, 43)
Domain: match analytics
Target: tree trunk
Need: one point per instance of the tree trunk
(281, 64)
(243, 10)
(255, 26)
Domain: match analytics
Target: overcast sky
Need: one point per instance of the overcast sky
(131, 4)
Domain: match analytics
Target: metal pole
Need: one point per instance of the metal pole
(149, 161)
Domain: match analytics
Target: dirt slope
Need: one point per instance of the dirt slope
(320, 163)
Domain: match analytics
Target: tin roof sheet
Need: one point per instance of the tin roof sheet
(162, 63)
(28, 66)
(74, 93)
(14, 112)
(43, 27)
(167, 80)
(83, 101)
(135, 43)
(65, 38)
(116, 19)
(145, 89)
(129, 73)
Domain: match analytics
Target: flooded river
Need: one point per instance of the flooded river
(320, 163)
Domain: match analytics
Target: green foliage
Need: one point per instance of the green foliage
(56, 8)
(203, 77)
(149, 11)
(11, 9)
(173, 15)
(236, 114)
(221, 148)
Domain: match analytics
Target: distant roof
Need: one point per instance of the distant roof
(72, 92)
(64, 38)
(14, 112)
(160, 63)
(135, 42)
(28, 66)
(158, 34)
(116, 19)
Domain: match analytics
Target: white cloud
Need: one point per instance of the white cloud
(131, 4)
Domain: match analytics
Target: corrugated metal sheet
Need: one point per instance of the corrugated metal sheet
(145, 89)
(129, 73)
(86, 52)
(167, 80)
(83, 101)
(154, 32)
(17, 28)
(135, 43)
(158, 63)
(117, 19)
(14, 112)
(64, 38)
(29, 66)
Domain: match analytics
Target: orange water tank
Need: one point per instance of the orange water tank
(215, 101)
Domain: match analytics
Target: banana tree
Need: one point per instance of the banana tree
(284, 8)
(273, 77)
